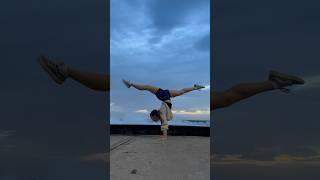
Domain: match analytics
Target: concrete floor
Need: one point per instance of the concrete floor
(147, 157)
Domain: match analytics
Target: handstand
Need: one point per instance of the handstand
(100, 82)
(164, 114)
(59, 72)
(243, 91)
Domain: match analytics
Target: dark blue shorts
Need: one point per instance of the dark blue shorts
(163, 95)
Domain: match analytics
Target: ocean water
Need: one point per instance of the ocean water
(177, 122)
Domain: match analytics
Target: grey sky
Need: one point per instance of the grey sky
(273, 133)
(45, 128)
(162, 43)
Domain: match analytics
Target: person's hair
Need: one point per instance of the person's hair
(154, 113)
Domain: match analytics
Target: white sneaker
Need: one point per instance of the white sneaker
(55, 70)
(198, 87)
(282, 80)
(126, 83)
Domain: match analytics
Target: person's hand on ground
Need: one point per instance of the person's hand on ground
(164, 135)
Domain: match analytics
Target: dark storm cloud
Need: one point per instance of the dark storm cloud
(252, 38)
(167, 14)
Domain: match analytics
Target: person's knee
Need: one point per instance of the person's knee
(181, 92)
(225, 99)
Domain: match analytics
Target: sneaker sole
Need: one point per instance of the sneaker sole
(200, 87)
(294, 79)
(41, 61)
(127, 85)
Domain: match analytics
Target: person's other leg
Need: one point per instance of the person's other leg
(238, 93)
(277, 80)
(142, 87)
(95, 81)
(59, 72)
(152, 89)
(175, 93)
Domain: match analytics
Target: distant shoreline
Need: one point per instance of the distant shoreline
(196, 123)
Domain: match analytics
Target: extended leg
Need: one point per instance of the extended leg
(175, 93)
(242, 91)
(238, 93)
(150, 88)
(95, 81)
(59, 72)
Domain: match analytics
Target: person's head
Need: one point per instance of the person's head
(154, 115)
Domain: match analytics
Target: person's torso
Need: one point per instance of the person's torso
(165, 110)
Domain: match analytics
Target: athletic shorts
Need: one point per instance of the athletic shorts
(163, 95)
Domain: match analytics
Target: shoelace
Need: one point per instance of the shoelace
(283, 89)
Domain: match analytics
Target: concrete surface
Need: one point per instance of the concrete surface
(146, 157)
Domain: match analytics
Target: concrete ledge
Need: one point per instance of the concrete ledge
(155, 130)
(150, 158)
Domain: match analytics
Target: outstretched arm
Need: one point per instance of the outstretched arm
(164, 126)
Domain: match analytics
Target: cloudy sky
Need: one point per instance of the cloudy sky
(45, 129)
(164, 43)
(273, 135)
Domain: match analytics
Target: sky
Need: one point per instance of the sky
(46, 128)
(165, 43)
(273, 135)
